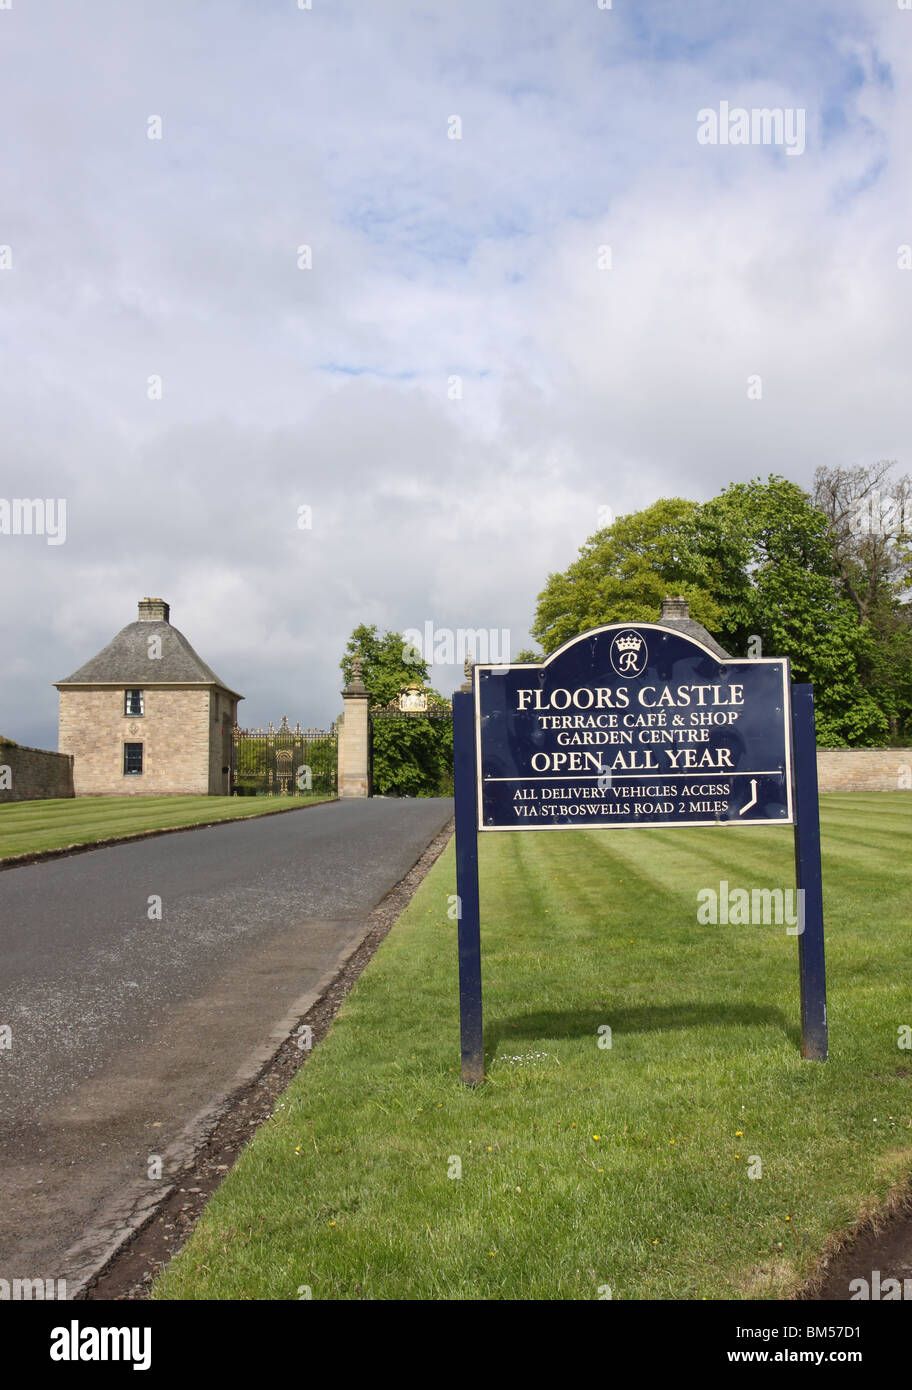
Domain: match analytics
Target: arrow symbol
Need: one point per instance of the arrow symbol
(753, 800)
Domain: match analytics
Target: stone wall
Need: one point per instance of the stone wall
(35, 774)
(174, 730)
(864, 769)
(223, 719)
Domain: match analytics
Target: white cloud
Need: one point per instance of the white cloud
(431, 257)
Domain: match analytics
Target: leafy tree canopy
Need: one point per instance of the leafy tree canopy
(869, 515)
(389, 664)
(410, 756)
(622, 574)
(757, 561)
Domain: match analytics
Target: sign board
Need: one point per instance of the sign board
(633, 725)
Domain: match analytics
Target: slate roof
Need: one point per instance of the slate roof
(691, 628)
(125, 661)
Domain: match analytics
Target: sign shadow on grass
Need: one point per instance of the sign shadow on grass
(644, 1018)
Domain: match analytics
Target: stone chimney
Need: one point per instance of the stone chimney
(674, 608)
(154, 610)
(676, 614)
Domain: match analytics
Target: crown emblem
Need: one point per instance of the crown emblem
(629, 653)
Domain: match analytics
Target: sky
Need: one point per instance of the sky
(462, 280)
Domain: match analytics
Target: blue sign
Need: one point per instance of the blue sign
(633, 725)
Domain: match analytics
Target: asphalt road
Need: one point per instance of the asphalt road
(124, 1026)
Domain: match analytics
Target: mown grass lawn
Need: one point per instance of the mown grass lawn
(584, 1167)
(27, 827)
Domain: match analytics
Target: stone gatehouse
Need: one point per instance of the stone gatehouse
(147, 716)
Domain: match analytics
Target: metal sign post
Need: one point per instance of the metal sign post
(811, 966)
(470, 1020)
(627, 726)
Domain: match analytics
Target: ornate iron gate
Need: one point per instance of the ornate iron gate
(420, 767)
(284, 761)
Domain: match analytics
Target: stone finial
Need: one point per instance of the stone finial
(356, 685)
(283, 727)
(467, 671)
(674, 608)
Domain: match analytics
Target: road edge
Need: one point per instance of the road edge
(117, 1225)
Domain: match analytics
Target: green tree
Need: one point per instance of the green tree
(388, 663)
(410, 756)
(769, 551)
(756, 561)
(869, 516)
(622, 574)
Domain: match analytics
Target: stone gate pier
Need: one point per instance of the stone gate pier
(354, 736)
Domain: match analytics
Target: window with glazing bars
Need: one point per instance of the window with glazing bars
(133, 758)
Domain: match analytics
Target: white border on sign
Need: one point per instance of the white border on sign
(726, 661)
